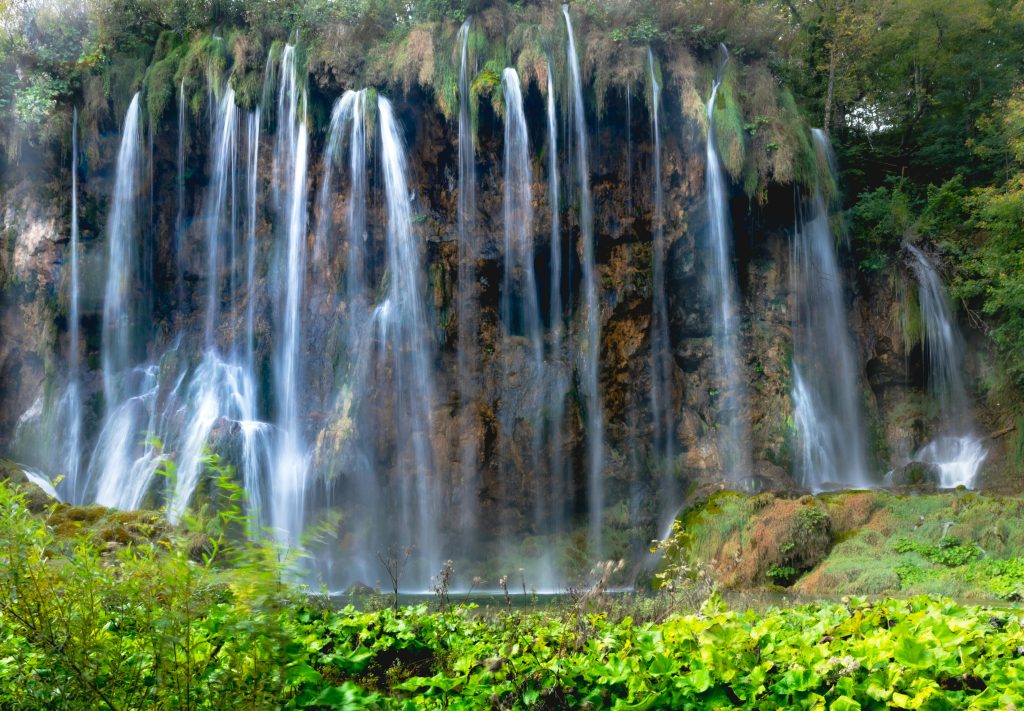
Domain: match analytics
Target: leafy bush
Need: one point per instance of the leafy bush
(950, 552)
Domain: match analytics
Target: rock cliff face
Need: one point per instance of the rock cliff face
(34, 273)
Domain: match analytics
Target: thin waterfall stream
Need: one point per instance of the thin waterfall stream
(826, 393)
(956, 451)
(589, 346)
(73, 405)
(661, 366)
(734, 429)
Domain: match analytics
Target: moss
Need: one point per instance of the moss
(167, 42)
(11, 472)
(863, 543)
(911, 324)
(804, 170)
(728, 118)
(160, 86)
(203, 65)
(123, 79)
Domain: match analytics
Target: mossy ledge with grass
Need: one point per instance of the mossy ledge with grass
(962, 544)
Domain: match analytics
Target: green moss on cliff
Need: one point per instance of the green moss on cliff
(728, 118)
(863, 543)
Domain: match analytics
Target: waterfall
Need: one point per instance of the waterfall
(826, 396)
(734, 434)
(348, 445)
(523, 388)
(73, 404)
(590, 340)
(557, 384)
(221, 194)
(290, 161)
(256, 436)
(405, 338)
(467, 303)
(122, 265)
(252, 186)
(661, 364)
(956, 451)
(221, 389)
(124, 459)
(286, 137)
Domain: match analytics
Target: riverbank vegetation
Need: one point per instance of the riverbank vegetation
(197, 617)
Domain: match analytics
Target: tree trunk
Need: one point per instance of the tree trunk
(831, 86)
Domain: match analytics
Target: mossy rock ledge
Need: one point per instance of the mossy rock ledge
(963, 544)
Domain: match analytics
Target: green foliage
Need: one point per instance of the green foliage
(781, 574)
(949, 552)
(146, 625)
(881, 219)
(204, 64)
(1005, 578)
(729, 122)
(161, 88)
(644, 31)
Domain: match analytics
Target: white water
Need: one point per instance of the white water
(956, 451)
(734, 430)
(404, 338)
(122, 263)
(252, 195)
(220, 207)
(557, 383)
(523, 394)
(289, 483)
(126, 457)
(39, 479)
(826, 394)
(220, 390)
(467, 303)
(590, 338)
(125, 460)
(661, 364)
(73, 396)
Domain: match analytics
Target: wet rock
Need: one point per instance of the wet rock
(919, 475)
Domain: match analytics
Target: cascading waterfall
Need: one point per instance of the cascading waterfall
(826, 397)
(405, 340)
(523, 391)
(125, 460)
(466, 306)
(289, 483)
(256, 435)
(363, 489)
(252, 193)
(557, 384)
(219, 219)
(286, 136)
(222, 388)
(734, 433)
(957, 452)
(122, 264)
(73, 397)
(590, 339)
(661, 366)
